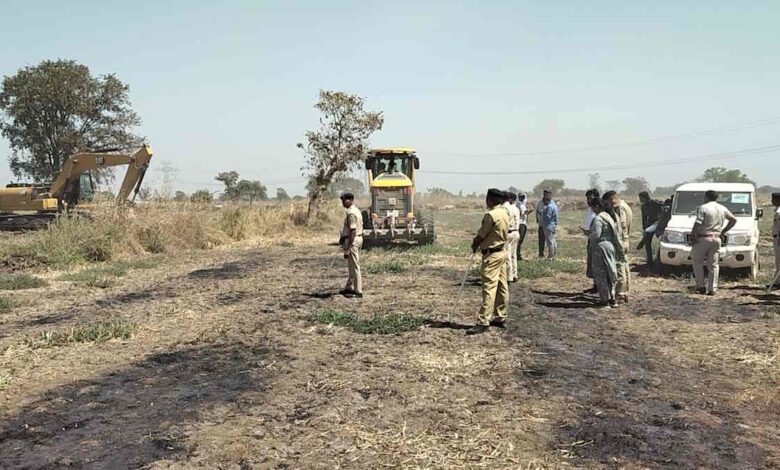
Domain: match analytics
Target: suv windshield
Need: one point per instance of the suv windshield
(390, 164)
(739, 203)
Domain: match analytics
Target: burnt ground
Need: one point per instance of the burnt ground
(227, 370)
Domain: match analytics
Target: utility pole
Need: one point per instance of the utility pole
(168, 172)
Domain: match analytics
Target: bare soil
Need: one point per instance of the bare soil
(228, 371)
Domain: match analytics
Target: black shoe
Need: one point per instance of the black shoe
(592, 290)
(498, 323)
(477, 329)
(701, 291)
(354, 295)
(346, 291)
(711, 293)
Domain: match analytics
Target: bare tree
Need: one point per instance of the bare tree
(339, 144)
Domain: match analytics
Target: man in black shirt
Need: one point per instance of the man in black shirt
(651, 215)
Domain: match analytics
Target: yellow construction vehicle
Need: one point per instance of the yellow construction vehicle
(30, 206)
(393, 215)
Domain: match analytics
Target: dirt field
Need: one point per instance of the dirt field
(226, 366)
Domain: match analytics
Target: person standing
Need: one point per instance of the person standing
(523, 227)
(776, 230)
(706, 241)
(550, 219)
(539, 210)
(606, 251)
(651, 215)
(513, 237)
(589, 216)
(624, 216)
(490, 242)
(351, 242)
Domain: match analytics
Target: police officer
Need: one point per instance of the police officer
(706, 241)
(624, 216)
(490, 242)
(776, 230)
(351, 242)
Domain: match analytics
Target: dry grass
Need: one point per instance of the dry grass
(167, 228)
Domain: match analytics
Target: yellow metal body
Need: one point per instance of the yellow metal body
(32, 198)
(393, 180)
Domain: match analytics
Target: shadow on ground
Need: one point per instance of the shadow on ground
(627, 405)
(129, 418)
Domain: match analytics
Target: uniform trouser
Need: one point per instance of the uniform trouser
(355, 279)
(511, 254)
(705, 252)
(777, 255)
(521, 238)
(552, 244)
(495, 291)
(623, 284)
(647, 238)
(542, 241)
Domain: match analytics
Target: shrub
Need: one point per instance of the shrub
(234, 222)
(13, 281)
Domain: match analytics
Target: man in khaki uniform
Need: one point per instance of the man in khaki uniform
(625, 216)
(490, 242)
(776, 233)
(706, 241)
(351, 242)
(513, 238)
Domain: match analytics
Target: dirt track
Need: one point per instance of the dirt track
(226, 371)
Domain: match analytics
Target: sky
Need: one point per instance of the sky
(475, 86)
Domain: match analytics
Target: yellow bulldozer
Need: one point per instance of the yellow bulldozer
(393, 215)
(33, 206)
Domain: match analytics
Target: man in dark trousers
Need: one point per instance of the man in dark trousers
(651, 215)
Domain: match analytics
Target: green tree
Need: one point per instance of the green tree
(613, 185)
(723, 175)
(202, 195)
(251, 190)
(281, 195)
(230, 180)
(594, 181)
(554, 185)
(339, 144)
(57, 108)
(180, 196)
(635, 185)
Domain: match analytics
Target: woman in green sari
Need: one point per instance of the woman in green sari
(605, 250)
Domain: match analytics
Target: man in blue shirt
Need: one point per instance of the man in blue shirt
(550, 220)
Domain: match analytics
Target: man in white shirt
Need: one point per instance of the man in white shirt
(776, 233)
(523, 227)
(513, 237)
(706, 241)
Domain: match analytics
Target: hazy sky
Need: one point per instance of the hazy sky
(230, 85)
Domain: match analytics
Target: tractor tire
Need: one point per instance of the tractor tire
(426, 221)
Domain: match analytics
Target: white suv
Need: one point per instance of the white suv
(739, 249)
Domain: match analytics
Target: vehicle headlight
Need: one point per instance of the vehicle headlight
(674, 237)
(739, 239)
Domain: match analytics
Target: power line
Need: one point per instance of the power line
(638, 143)
(626, 166)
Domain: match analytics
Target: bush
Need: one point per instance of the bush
(234, 222)
(14, 281)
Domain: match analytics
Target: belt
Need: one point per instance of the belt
(495, 249)
(710, 235)
(513, 231)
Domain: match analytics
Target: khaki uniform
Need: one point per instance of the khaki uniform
(495, 291)
(513, 238)
(710, 217)
(625, 215)
(353, 220)
(776, 238)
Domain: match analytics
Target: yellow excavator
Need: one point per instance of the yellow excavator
(30, 206)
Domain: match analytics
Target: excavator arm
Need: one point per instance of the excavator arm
(81, 162)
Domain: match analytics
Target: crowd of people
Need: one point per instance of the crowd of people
(608, 225)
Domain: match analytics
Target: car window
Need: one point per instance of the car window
(739, 203)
